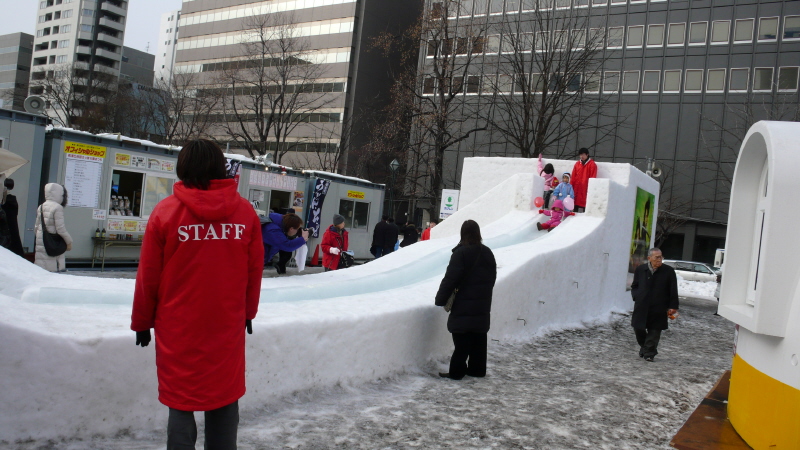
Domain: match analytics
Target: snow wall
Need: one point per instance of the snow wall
(70, 368)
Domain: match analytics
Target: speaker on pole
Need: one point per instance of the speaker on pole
(34, 104)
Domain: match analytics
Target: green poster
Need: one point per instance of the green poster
(642, 228)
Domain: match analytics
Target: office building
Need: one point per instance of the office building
(336, 37)
(15, 69)
(686, 79)
(167, 41)
(84, 35)
(136, 66)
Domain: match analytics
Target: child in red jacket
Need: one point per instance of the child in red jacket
(334, 242)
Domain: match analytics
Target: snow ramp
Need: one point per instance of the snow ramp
(69, 359)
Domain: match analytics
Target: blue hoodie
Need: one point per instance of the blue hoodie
(275, 238)
(562, 191)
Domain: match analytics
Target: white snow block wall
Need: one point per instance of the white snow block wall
(72, 370)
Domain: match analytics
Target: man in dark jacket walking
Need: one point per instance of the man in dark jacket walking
(655, 295)
(390, 239)
(379, 237)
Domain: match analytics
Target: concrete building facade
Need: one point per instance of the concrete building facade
(85, 35)
(336, 36)
(16, 51)
(688, 77)
(137, 67)
(167, 41)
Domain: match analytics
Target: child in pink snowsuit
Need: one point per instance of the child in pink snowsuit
(557, 214)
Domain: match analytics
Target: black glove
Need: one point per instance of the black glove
(143, 338)
(249, 325)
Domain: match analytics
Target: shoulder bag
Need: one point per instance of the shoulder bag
(452, 298)
(54, 244)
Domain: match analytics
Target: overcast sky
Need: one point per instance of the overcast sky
(144, 17)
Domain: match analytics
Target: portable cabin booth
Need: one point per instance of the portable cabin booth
(113, 184)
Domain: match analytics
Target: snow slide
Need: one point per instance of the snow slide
(70, 368)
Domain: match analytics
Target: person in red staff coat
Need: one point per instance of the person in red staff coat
(198, 287)
(583, 170)
(334, 242)
(426, 235)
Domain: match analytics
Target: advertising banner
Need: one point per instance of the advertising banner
(315, 207)
(449, 203)
(642, 228)
(234, 169)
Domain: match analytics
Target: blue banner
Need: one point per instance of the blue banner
(315, 207)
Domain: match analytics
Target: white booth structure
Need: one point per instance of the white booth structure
(760, 290)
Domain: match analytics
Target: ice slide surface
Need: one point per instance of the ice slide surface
(68, 364)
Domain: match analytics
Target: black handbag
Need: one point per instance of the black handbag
(345, 260)
(54, 244)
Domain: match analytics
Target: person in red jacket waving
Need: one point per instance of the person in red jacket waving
(198, 287)
(581, 173)
(334, 242)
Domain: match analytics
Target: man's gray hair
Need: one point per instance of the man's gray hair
(653, 250)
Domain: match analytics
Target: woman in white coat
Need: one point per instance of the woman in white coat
(52, 210)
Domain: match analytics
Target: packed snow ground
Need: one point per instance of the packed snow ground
(572, 389)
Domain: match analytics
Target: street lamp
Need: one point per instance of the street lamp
(394, 165)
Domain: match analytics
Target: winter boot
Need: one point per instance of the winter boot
(539, 226)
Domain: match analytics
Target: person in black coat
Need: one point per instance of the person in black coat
(390, 238)
(655, 295)
(379, 237)
(410, 235)
(11, 211)
(473, 271)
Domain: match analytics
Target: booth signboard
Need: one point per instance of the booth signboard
(98, 214)
(122, 159)
(449, 203)
(84, 170)
(297, 204)
(153, 164)
(140, 162)
(273, 180)
(356, 194)
(167, 166)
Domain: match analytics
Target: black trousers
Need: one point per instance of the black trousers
(648, 341)
(469, 356)
(283, 258)
(547, 195)
(222, 425)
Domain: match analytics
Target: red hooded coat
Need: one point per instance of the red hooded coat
(199, 279)
(332, 238)
(580, 180)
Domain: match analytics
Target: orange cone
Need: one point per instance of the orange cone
(315, 258)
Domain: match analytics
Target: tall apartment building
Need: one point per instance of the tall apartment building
(15, 69)
(687, 77)
(85, 35)
(167, 42)
(336, 36)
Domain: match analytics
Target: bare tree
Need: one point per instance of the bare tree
(177, 110)
(57, 87)
(272, 89)
(548, 60)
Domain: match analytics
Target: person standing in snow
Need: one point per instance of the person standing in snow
(426, 235)
(471, 274)
(583, 170)
(334, 242)
(547, 172)
(11, 209)
(280, 237)
(198, 287)
(379, 237)
(52, 212)
(564, 189)
(410, 234)
(655, 295)
(390, 239)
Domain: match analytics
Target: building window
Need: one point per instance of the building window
(63, 44)
(505, 83)
(630, 82)
(611, 82)
(356, 214)
(791, 28)
(495, 6)
(66, 28)
(528, 5)
(715, 80)
(493, 43)
(560, 40)
(87, 13)
(693, 81)
(429, 86)
(473, 84)
(787, 79)
(743, 31)
(581, 3)
(595, 38)
(655, 35)
(545, 5)
(87, 28)
(616, 36)
(650, 81)
(596, 3)
(578, 39)
(762, 79)
(67, 14)
(592, 83)
(563, 4)
(636, 36)
(739, 79)
(541, 40)
(618, 2)
(720, 31)
(507, 44)
(61, 59)
(697, 33)
(768, 29)
(677, 34)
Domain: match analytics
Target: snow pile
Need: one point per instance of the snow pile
(697, 289)
(74, 365)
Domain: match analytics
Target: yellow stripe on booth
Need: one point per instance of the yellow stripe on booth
(764, 411)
